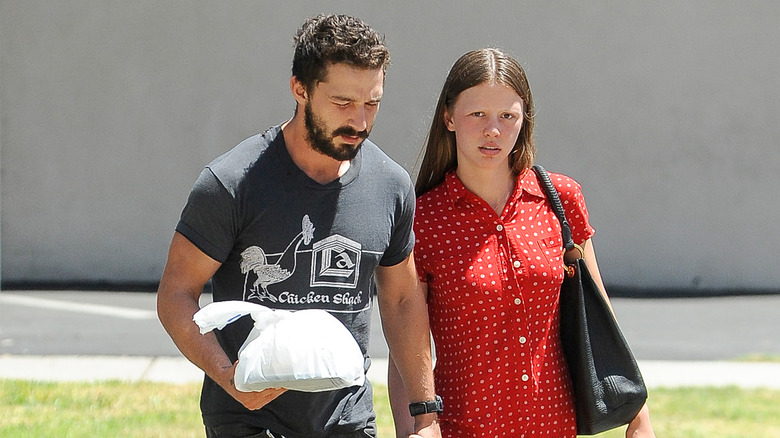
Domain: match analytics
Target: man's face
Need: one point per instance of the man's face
(340, 111)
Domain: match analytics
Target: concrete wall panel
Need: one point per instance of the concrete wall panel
(666, 112)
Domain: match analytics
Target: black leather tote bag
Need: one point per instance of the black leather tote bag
(608, 387)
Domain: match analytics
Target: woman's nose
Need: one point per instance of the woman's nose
(491, 129)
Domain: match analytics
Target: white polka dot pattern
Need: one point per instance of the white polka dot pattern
(493, 300)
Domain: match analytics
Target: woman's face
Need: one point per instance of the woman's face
(486, 120)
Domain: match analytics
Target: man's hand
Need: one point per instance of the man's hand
(427, 426)
(253, 400)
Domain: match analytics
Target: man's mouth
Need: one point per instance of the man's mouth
(350, 135)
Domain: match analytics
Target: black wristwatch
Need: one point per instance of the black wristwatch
(427, 407)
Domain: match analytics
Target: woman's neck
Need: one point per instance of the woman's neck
(494, 186)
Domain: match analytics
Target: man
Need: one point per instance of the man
(309, 214)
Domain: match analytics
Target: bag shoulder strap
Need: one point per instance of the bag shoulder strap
(555, 202)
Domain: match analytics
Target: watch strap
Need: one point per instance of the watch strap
(427, 407)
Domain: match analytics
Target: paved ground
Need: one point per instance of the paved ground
(98, 335)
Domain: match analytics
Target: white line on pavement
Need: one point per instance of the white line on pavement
(69, 306)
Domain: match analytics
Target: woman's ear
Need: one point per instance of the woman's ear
(448, 120)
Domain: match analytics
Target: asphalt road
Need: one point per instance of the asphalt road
(125, 324)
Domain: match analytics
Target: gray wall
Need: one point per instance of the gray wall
(666, 112)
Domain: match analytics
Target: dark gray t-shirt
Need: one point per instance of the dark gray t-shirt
(288, 242)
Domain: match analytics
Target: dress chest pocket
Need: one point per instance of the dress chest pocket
(545, 257)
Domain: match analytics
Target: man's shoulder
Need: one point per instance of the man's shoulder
(233, 165)
(249, 149)
(377, 161)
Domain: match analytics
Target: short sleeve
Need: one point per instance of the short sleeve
(208, 220)
(425, 217)
(573, 202)
(402, 237)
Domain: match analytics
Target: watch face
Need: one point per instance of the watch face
(439, 404)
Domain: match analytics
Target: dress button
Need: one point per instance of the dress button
(499, 227)
(523, 339)
(516, 264)
(525, 377)
(518, 301)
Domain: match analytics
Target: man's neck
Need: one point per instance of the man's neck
(318, 166)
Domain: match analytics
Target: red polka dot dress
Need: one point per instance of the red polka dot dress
(493, 286)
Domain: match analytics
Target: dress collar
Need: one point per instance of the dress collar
(526, 182)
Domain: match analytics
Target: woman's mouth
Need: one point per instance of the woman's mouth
(490, 150)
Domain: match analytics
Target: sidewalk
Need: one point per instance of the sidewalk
(179, 371)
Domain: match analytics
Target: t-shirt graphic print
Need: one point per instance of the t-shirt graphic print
(334, 263)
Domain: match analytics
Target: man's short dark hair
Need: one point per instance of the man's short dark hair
(331, 39)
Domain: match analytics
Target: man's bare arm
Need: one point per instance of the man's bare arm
(186, 272)
(404, 311)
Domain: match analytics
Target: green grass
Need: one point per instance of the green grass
(110, 409)
(712, 412)
(116, 409)
(759, 357)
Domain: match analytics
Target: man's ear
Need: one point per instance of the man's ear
(298, 91)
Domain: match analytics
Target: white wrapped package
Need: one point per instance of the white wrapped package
(307, 350)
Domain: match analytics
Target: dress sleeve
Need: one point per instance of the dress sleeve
(423, 216)
(419, 266)
(573, 202)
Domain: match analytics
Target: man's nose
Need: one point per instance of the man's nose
(359, 118)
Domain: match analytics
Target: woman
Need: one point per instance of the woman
(489, 251)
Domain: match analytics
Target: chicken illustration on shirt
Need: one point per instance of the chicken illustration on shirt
(254, 259)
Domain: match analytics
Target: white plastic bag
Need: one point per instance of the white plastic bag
(307, 350)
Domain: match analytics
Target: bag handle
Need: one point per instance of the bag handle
(555, 202)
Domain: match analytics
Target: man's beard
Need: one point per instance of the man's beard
(324, 144)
